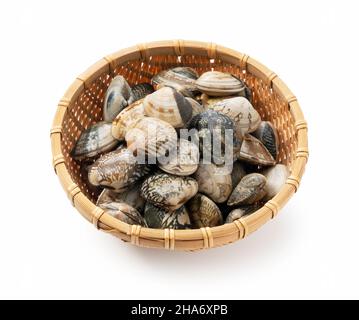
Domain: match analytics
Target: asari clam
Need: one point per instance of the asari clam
(124, 212)
(249, 190)
(117, 170)
(127, 119)
(116, 98)
(216, 83)
(181, 79)
(168, 105)
(242, 211)
(246, 119)
(152, 137)
(95, 140)
(276, 178)
(162, 218)
(254, 152)
(214, 181)
(238, 172)
(267, 134)
(204, 212)
(130, 196)
(183, 160)
(168, 191)
(197, 108)
(140, 91)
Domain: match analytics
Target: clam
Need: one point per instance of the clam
(162, 218)
(216, 140)
(216, 83)
(127, 119)
(214, 181)
(117, 170)
(242, 211)
(249, 190)
(168, 191)
(168, 105)
(152, 137)
(204, 212)
(116, 98)
(276, 178)
(183, 161)
(238, 172)
(246, 119)
(130, 196)
(267, 134)
(254, 152)
(124, 212)
(95, 140)
(140, 91)
(181, 79)
(197, 108)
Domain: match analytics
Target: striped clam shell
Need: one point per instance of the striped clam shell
(127, 119)
(116, 98)
(151, 136)
(168, 105)
(116, 170)
(253, 151)
(124, 212)
(267, 134)
(168, 191)
(95, 140)
(162, 218)
(216, 83)
(204, 212)
(140, 91)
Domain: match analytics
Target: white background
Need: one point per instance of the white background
(47, 250)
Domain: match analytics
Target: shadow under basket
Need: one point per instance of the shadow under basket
(81, 106)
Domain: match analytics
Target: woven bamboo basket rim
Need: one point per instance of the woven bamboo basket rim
(192, 239)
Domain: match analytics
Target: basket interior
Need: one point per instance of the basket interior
(87, 109)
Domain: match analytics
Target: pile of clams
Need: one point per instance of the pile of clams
(184, 151)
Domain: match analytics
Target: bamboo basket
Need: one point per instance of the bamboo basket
(81, 106)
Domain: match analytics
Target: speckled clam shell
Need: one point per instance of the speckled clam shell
(214, 181)
(238, 172)
(151, 136)
(242, 211)
(246, 119)
(267, 134)
(124, 212)
(140, 91)
(116, 170)
(130, 196)
(127, 119)
(168, 191)
(254, 152)
(95, 140)
(211, 126)
(204, 212)
(162, 218)
(181, 79)
(197, 108)
(249, 190)
(216, 83)
(168, 105)
(276, 178)
(116, 98)
(183, 161)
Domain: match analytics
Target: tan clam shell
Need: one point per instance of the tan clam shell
(214, 181)
(216, 83)
(183, 161)
(249, 190)
(254, 152)
(238, 172)
(242, 211)
(204, 212)
(124, 212)
(168, 191)
(268, 135)
(197, 108)
(276, 178)
(168, 105)
(246, 119)
(116, 170)
(151, 136)
(127, 119)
